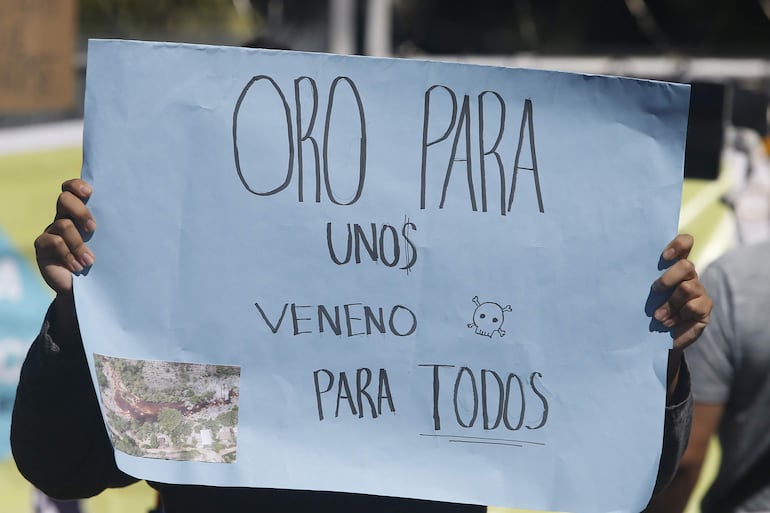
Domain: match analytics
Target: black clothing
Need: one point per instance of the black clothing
(61, 445)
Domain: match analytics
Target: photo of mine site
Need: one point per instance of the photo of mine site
(170, 410)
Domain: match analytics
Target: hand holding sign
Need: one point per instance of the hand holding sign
(358, 207)
(60, 249)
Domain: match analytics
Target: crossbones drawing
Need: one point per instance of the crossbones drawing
(488, 318)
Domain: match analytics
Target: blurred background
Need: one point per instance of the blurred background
(722, 48)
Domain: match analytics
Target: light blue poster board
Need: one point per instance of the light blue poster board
(380, 276)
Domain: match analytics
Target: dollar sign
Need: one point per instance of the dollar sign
(410, 251)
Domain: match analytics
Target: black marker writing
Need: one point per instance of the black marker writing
(511, 400)
(359, 319)
(355, 402)
(526, 120)
(373, 243)
(410, 251)
(542, 398)
(461, 144)
(323, 169)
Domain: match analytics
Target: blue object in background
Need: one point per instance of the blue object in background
(23, 300)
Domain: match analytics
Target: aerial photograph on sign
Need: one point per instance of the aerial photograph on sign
(170, 410)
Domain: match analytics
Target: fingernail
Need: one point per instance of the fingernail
(76, 267)
(90, 225)
(669, 254)
(85, 189)
(87, 259)
(661, 314)
(668, 323)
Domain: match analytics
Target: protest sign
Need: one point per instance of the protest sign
(379, 276)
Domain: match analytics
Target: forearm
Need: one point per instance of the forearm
(675, 497)
(675, 359)
(676, 429)
(58, 436)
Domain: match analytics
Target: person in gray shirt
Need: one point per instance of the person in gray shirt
(730, 369)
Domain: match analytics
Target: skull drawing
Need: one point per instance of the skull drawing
(488, 318)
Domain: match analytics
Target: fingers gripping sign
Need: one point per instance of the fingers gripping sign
(60, 250)
(686, 310)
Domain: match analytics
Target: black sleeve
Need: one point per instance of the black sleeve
(676, 429)
(60, 443)
(58, 437)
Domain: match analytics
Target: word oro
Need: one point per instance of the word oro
(300, 126)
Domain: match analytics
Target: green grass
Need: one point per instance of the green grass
(29, 186)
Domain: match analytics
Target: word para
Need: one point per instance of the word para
(304, 127)
(385, 248)
(355, 402)
(461, 125)
(359, 319)
(513, 390)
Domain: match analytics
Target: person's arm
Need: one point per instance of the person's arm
(58, 437)
(713, 369)
(686, 311)
(706, 419)
(676, 430)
